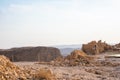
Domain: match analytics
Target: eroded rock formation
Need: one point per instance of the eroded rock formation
(94, 47)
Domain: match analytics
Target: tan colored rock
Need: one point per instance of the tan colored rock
(77, 53)
(91, 48)
(77, 57)
(9, 71)
(94, 47)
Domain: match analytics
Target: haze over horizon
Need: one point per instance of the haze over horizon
(58, 22)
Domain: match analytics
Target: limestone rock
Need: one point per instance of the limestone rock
(9, 71)
(94, 47)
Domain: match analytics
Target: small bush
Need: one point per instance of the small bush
(44, 74)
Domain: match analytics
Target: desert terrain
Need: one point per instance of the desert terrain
(95, 61)
(95, 72)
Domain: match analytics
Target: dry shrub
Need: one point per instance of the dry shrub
(44, 74)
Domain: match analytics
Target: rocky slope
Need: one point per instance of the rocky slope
(77, 57)
(9, 71)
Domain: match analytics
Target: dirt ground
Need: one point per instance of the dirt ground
(95, 72)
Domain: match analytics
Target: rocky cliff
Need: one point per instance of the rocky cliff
(31, 53)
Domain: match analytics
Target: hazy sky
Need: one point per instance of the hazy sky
(56, 22)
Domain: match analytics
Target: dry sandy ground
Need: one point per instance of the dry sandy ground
(80, 72)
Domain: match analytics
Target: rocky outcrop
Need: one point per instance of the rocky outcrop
(76, 54)
(77, 57)
(96, 47)
(31, 53)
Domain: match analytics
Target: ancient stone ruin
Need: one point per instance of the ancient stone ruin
(94, 47)
(31, 53)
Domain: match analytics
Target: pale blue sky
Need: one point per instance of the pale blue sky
(57, 22)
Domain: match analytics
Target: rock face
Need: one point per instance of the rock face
(31, 53)
(96, 47)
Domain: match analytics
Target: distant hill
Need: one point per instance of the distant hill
(39, 53)
(67, 49)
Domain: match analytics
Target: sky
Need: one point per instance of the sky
(58, 22)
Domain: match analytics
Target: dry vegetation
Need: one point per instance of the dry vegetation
(44, 73)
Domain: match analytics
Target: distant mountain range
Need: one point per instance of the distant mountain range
(64, 49)
(67, 49)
